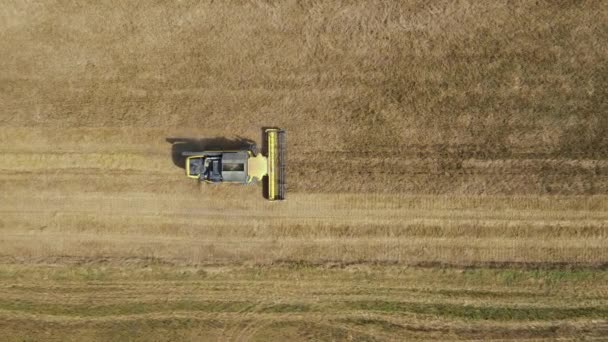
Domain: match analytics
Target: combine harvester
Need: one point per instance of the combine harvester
(243, 166)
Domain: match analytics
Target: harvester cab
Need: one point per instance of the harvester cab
(243, 166)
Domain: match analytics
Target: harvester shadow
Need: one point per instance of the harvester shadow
(180, 145)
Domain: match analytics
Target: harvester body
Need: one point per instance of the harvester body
(243, 166)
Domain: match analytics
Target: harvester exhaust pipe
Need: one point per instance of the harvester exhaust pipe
(276, 163)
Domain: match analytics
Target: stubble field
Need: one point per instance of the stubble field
(447, 170)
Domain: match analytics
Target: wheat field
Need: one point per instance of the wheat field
(447, 170)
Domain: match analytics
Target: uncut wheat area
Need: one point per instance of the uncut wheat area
(447, 170)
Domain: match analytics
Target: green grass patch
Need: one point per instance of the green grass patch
(136, 308)
(133, 308)
(499, 313)
(281, 308)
